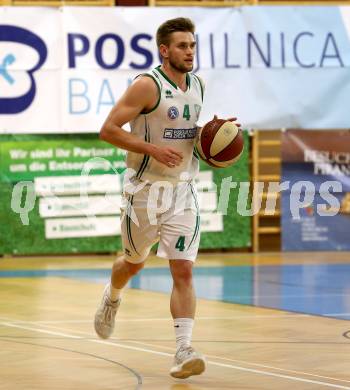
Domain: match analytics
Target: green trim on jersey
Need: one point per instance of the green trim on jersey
(196, 229)
(195, 152)
(159, 93)
(128, 225)
(188, 81)
(146, 156)
(200, 83)
(143, 166)
(166, 77)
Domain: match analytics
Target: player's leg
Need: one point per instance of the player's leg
(187, 361)
(183, 299)
(179, 241)
(138, 236)
(122, 271)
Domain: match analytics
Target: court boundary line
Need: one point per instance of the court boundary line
(171, 349)
(82, 321)
(249, 363)
(94, 356)
(260, 372)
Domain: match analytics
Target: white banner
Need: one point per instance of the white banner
(70, 206)
(82, 227)
(77, 185)
(31, 71)
(62, 70)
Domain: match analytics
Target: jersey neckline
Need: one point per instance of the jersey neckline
(172, 83)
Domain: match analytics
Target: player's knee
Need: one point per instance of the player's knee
(182, 272)
(133, 269)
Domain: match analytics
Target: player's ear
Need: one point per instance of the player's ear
(164, 51)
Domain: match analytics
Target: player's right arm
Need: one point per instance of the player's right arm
(141, 96)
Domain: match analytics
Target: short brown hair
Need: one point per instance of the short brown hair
(173, 25)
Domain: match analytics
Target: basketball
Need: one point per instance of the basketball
(220, 143)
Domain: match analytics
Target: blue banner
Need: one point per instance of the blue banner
(316, 205)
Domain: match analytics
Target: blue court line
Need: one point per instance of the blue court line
(71, 273)
(313, 289)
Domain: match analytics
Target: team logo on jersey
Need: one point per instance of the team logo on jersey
(173, 113)
(168, 94)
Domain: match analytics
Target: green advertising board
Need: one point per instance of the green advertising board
(47, 206)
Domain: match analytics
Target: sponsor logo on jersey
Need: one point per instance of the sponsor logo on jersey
(173, 113)
(180, 133)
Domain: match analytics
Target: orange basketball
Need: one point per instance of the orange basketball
(220, 143)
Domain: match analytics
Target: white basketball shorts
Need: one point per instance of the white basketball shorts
(161, 212)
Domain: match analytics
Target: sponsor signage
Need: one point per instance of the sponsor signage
(62, 70)
(316, 207)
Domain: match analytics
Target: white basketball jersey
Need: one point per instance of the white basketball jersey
(172, 123)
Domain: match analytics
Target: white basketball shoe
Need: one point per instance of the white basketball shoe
(105, 315)
(187, 362)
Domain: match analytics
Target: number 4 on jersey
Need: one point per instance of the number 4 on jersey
(180, 245)
(186, 114)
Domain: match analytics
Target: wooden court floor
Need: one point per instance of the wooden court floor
(47, 339)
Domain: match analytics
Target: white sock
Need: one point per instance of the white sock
(183, 331)
(114, 293)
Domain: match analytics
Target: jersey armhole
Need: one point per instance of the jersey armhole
(159, 92)
(200, 81)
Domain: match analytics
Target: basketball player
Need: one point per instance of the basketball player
(162, 107)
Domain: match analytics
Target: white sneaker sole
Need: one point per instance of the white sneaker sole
(192, 367)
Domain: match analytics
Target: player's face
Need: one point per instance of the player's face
(181, 51)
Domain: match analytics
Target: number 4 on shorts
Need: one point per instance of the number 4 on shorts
(180, 245)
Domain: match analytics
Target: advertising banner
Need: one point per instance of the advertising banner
(316, 205)
(62, 70)
(62, 194)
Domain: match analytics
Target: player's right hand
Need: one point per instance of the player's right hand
(168, 156)
(233, 119)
